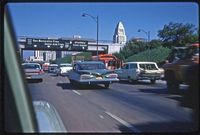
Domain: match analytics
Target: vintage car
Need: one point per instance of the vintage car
(134, 71)
(92, 72)
(33, 71)
(64, 68)
(53, 68)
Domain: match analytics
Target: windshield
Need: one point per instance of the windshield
(111, 63)
(53, 66)
(91, 66)
(31, 66)
(65, 65)
(185, 53)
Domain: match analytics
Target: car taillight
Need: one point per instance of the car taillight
(112, 76)
(40, 71)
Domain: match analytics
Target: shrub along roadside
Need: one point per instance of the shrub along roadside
(157, 55)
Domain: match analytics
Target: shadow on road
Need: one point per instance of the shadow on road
(160, 127)
(64, 86)
(88, 87)
(136, 82)
(186, 98)
(53, 75)
(68, 86)
(163, 91)
(34, 81)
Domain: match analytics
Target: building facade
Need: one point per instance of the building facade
(119, 35)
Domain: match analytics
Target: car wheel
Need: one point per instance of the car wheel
(107, 85)
(130, 80)
(72, 82)
(153, 81)
(172, 83)
(39, 80)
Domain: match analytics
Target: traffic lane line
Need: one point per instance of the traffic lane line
(132, 128)
(76, 92)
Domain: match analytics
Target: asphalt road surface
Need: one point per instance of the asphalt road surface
(124, 107)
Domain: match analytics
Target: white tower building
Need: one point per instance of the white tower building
(119, 35)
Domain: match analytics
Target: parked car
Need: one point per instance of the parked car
(134, 71)
(92, 72)
(33, 71)
(53, 68)
(64, 68)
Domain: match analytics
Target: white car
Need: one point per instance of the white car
(134, 71)
(33, 71)
(64, 68)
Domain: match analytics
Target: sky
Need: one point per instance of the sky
(57, 20)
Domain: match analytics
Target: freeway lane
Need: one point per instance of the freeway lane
(140, 107)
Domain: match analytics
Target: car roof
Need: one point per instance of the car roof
(140, 62)
(30, 64)
(90, 62)
(65, 64)
(53, 65)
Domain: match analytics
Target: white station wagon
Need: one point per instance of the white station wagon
(134, 71)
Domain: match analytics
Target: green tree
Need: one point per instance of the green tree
(119, 56)
(178, 34)
(155, 43)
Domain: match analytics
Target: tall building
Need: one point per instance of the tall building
(45, 55)
(119, 35)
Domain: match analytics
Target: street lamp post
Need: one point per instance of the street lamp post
(96, 19)
(148, 39)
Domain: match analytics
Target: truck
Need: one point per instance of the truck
(111, 61)
(179, 61)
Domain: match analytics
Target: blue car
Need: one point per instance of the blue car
(92, 72)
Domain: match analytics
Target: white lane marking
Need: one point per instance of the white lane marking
(134, 129)
(101, 116)
(76, 92)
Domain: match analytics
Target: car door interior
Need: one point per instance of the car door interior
(19, 115)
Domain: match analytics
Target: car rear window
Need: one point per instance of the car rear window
(91, 66)
(65, 66)
(31, 66)
(148, 66)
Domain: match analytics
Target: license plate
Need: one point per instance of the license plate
(99, 78)
(28, 77)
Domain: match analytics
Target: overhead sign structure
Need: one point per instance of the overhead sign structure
(79, 45)
(61, 45)
(55, 44)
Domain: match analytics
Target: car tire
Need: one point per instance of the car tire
(172, 83)
(130, 80)
(107, 85)
(72, 82)
(153, 81)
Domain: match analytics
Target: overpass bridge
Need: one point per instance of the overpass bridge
(67, 44)
(81, 45)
